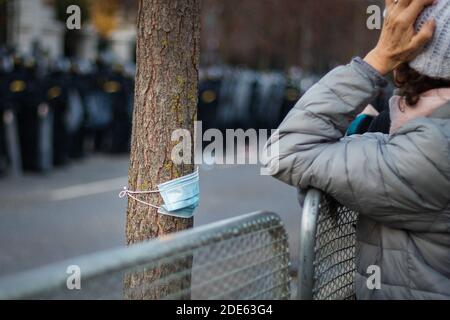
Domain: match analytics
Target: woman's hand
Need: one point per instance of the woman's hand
(399, 42)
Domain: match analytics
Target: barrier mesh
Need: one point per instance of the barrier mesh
(247, 259)
(334, 263)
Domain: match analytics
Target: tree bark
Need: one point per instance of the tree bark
(165, 100)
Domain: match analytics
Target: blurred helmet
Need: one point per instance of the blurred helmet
(29, 62)
(6, 63)
(130, 70)
(60, 65)
(17, 60)
(118, 68)
(85, 67)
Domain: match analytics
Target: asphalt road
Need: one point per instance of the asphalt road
(76, 210)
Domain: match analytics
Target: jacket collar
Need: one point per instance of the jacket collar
(442, 112)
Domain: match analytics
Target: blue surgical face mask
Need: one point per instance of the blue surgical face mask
(181, 196)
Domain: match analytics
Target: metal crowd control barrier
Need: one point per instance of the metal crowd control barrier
(242, 258)
(327, 249)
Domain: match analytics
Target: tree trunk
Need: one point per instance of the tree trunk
(165, 100)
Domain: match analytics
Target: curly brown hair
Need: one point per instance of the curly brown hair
(412, 84)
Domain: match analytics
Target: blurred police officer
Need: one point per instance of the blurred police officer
(24, 98)
(3, 77)
(76, 117)
(56, 91)
(99, 103)
(208, 100)
(120, 87)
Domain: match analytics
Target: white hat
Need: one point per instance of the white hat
(434, 61)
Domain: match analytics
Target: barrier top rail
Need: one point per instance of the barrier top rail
(215, 259)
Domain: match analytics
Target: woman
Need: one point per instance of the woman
(399, 182)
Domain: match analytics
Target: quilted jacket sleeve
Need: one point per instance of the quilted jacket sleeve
(400, 180)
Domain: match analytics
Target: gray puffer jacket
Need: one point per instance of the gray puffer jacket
(399, 183)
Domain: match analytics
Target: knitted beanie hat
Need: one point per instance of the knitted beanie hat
(434, 61)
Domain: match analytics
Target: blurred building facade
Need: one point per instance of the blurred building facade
(312, 34)
(29, 22)
(263, 34)
(27, 25)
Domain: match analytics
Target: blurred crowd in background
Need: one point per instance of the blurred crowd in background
(54, 112)
(50, 115)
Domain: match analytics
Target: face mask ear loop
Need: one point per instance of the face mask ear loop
(130, 194)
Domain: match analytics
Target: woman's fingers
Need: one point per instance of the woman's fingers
(402, 4)
(398, 40)
(415, 8)
(424, 35)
